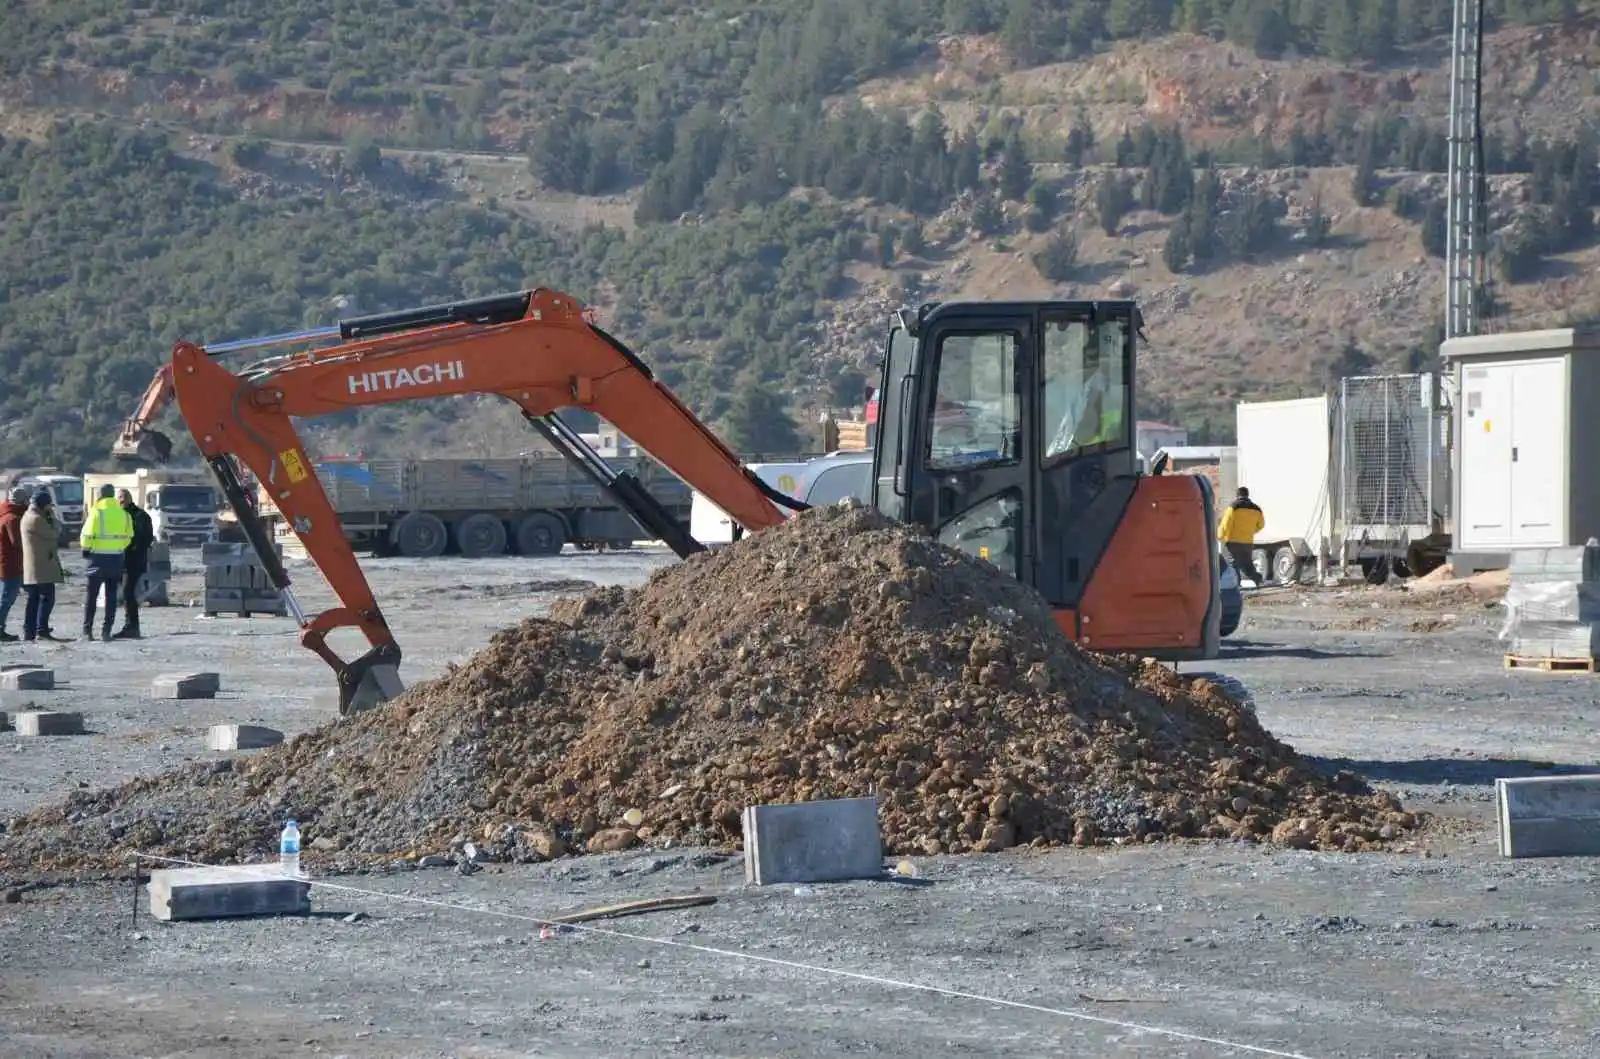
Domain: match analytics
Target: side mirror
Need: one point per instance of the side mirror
(1160, 465)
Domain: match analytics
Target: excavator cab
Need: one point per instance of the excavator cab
(1007, 430)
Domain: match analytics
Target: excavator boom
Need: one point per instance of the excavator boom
(536, 348)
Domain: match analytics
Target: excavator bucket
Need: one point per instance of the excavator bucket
(369, 681)
(373, 688)
(146, 447)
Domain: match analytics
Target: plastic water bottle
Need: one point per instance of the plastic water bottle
(289, 850)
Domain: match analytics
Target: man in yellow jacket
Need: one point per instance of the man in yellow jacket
(1240, 524)
(107, 531)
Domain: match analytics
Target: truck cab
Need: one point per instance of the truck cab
(183, 515)
(66, 493)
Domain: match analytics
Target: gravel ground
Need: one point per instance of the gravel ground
(1446, 953)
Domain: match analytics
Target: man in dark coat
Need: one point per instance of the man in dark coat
(135, 561)
(11, 512)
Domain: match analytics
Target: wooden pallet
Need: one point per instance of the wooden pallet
(1554, 665)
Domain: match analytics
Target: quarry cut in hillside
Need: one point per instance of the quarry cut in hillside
(838, 655)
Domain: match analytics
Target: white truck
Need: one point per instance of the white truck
(1357, 478)
(182, 504)
(66, 494)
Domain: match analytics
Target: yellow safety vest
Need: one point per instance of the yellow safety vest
(1110, 429)
(108, 529)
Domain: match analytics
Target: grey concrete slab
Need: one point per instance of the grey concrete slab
(1548, 816)
(226, 893)
(241, 737)
(821, 841)
(46, 722)
(186, 686)
(27, 678)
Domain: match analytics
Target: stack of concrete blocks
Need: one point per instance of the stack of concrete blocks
(152, 588)
(1553, 605)
(237, 583)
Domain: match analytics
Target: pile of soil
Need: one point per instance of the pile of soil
(836, 656)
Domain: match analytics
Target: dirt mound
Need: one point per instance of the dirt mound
(838, 655)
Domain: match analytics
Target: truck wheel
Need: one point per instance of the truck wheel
(1285, 566)
(480, 536)
(541, 534)
(420, 535)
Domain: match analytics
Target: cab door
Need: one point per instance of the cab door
(969, 475)
(1088, 470)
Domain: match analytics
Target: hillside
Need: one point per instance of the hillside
(745, 189)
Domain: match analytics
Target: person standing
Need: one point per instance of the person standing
(41, 567)
(1240, 524)
(107, 532)
(135, 561)
(11, 512)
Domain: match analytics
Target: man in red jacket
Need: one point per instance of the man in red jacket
(11, 512)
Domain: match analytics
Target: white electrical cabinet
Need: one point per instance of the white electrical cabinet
(1527, 428)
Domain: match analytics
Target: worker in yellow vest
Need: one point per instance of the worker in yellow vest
(1240, 524)
(107, 532)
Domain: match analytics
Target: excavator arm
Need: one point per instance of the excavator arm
(536, 348)
(138, 442)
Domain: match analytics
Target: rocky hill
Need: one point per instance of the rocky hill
(745, 189)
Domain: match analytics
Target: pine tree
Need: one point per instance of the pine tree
(1016, 170)
(1178, 250)
(1113, 199)
(1058, 260)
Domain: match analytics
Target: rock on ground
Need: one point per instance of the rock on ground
(839, 655)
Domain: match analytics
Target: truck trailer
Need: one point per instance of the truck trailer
(532, 505)
(1355, 478)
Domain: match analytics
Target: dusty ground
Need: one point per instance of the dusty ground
(1453, 954)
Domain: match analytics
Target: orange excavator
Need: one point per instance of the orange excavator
(138, 443)
(1129, 561)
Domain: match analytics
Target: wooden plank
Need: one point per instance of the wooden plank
(635, 908)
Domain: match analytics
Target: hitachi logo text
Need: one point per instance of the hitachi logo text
(400, 378)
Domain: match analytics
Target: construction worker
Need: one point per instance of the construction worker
(135, 561)
(1240, 524)
(41, 567)
(107, 532)
(11, 512)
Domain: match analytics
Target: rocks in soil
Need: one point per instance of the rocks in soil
(839, 655)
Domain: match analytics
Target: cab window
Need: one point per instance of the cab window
(1085, 386)
(976, 411)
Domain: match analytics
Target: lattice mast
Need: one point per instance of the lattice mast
(1466, 243)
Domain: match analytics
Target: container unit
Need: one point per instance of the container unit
(1525, 423)
(532, 505)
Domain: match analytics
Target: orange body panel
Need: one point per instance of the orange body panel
(1154, 584)
(549, 359)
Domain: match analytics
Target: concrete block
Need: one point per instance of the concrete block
(45, 722)
(28, 678)
(226, 893)
(241, 737)
(186, 686)
(823, 841)
(1549, 816)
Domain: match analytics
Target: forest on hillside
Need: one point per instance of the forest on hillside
(115, 244)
